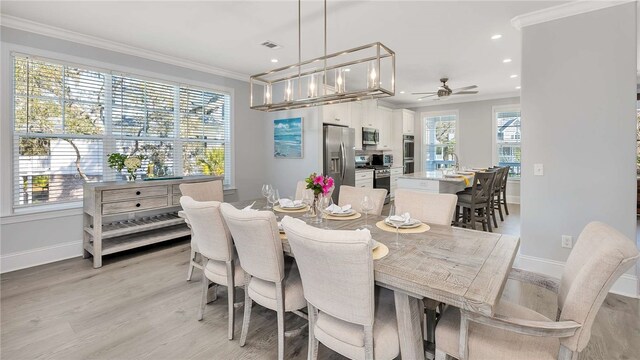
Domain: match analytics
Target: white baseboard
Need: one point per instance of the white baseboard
(626, 285)
(44, 255)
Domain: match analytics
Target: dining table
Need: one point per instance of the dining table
(460, 267)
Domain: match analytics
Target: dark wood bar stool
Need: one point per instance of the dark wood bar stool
(476, 206)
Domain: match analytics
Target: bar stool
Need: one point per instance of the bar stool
(478, 202)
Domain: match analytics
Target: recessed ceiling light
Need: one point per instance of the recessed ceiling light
(507, 60)
(274, 60)
(401, 92)
(517, 87)
(347, 69)
(419, 99)
(513, 76)
(496, 37)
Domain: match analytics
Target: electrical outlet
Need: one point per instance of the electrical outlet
(567, 241)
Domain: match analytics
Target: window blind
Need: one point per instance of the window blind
(67, 118)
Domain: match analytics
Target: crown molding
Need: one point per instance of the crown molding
(562, 11)
(58, 33)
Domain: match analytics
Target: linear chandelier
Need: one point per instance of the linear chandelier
(364, 72)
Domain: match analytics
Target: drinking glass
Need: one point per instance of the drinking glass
(307, 199)
(273, 198)
(266, 190)
(366, 205)
(321, 207)
(396, 223)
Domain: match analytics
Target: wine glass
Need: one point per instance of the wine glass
(266, 190)
(307, 199)
(395, 222)
(366, 205)
(321, 206)
(273, 198)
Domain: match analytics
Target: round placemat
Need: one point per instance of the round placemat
(381, 251)
(350, 217)
(279, 209)
(416, 230)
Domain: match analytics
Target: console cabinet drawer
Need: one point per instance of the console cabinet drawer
(132, 193)
(134, 205)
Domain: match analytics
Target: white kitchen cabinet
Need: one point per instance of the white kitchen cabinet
(364, 179)
(356, 122)
(384, 117)
(396, 172)
(336, 114)
(408, 122)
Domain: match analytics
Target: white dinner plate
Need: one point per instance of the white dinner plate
(414, 223)
(351, 212)
(295, 207)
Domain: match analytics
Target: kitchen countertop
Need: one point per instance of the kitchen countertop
(433, 175)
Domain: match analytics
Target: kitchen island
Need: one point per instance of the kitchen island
(435, 182)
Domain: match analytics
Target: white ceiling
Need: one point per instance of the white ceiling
(431, 38)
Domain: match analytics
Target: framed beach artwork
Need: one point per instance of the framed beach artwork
(287, 138)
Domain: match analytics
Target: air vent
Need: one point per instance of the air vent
(271, 45)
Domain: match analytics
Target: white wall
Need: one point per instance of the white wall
(579, 114)
(475, 134)
(27, 240)
(284, 174)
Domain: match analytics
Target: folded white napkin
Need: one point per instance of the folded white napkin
(365, 231)
(287, 203)
(405, 218)
(280, 226)
(248, 207)
(335, 209)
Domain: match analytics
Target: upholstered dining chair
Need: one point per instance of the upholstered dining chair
(200, 191)
(353, 196)
(436, 209)
(219, 262)
(270, 281)
(301, 188)
(347, 313)
(601, 255)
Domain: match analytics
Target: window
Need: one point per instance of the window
(508, 140)
(440, 140)
(68, 118)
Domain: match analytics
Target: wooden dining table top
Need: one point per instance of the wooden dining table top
(460, 267)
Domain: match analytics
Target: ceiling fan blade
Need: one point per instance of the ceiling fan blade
(464, 92)
(426, 96)
(424, 93)
(466, 88)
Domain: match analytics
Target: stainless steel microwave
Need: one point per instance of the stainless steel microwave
(370, 136)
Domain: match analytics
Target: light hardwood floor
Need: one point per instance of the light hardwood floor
(139, 306)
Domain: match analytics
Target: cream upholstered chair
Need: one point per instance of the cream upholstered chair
(269, 280)
(200, 191)
(345, 312)
(599, 257)
(220, 264)
(301, 188)
(435, 209)
(353, 196)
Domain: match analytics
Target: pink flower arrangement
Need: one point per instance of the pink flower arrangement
(319, 184)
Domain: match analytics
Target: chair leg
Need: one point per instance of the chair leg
(493, 213)
(487, 217)
(192, 259)
(472, 218)
(230, 298)
(368, 343)
(504, 196)
(441, 355)
(500, 207)
(205, 290)
(313, 342)
(247, 310)
(280, 316)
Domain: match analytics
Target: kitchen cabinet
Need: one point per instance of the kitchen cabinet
(408, 122)
(336, 114)
(356, 122)
(364, 179)
(384, 117)
(396, 172)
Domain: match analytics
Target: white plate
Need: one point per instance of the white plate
(351, 212)
(465, 172)
(452, 175)
(293, 207)
(413, 224)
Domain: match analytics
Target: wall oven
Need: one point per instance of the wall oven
(370, 136)
(408, 149)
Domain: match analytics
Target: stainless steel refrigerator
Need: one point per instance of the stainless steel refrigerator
(339, 156)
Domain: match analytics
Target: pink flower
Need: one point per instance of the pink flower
(318, 180)
(325, 189)
(329, 181)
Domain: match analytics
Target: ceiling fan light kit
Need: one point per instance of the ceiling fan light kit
(364, 72)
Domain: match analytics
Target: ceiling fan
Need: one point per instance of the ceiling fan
(445, 91)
